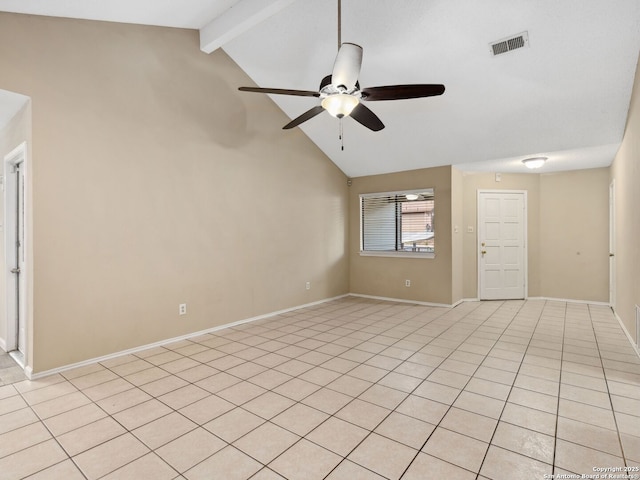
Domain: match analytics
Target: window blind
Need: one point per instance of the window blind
(400, 221)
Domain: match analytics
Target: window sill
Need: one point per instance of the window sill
(398, 254)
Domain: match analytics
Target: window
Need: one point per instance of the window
(397, 223)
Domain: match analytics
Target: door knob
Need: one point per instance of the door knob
(483, 252)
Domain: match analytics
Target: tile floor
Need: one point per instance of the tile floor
(10, 371)
(349, 389)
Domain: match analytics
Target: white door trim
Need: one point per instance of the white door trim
(17, 156)
(612, 244)
(525, 237)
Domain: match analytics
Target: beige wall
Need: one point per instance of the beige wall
(457, 234)
(625, 171)
(567, 230)
(431, 278)
(144, 157)
(472, 182)
(574, 235)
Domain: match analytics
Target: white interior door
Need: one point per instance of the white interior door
(502, 245)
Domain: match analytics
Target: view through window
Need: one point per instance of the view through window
(401, 222)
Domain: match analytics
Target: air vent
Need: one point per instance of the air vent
(511, 43)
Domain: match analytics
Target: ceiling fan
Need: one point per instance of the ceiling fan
(340, 92)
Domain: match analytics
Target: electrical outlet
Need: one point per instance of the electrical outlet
(182, 309)
(308, 286)
(407, 283)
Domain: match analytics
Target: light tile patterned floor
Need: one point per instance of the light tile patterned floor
(10, 371)
(349, 389)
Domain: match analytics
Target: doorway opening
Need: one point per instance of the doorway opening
(15, 242)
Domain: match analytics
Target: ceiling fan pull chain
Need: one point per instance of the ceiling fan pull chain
(340, 93)
(341, 136)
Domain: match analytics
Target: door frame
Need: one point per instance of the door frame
(612, 244)
(525, 237)
(17, 156)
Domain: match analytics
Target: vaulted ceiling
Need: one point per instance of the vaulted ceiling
(565, 95)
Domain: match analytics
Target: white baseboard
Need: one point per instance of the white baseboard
(626, 332)
(570, 300)
(33, 376)
(18, 357)
(400, 300)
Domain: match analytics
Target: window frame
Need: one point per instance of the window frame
(396, 254)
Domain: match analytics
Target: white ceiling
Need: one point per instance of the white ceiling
(566, 96)
(166, 13)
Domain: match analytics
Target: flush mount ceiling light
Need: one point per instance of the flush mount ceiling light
(412, 196)
(535, 162)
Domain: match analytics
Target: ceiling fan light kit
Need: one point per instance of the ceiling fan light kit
(340, 92)
(340, 104)
(534, 162)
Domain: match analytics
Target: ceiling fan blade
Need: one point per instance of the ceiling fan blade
(401, 92)
(346, 68)
(304, 117)
(281, 91)
(366, 117)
